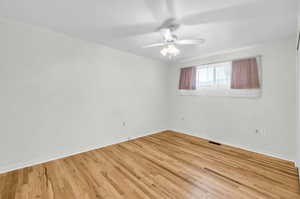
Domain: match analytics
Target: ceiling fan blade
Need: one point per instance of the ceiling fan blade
(125, 31)
(171, 8)
(154, 45)
(238, 12)
(163, 11)
(219, 15)
(190, 42)
(158, 9)
(170, 23)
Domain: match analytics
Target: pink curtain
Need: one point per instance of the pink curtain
(245, 74)
(187, 78)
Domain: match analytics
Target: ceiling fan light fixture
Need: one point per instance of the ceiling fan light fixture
(170, 50)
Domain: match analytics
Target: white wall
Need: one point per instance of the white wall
(61, 95)
(234, 120)
(298, 94)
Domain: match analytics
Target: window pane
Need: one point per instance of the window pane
(223, 71)
(205, 76)
(214, 75)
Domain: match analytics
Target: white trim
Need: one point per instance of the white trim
(218, 61)
(223, 92)
(229, 51)
(21, 165)
(236, 145)
(226, 92)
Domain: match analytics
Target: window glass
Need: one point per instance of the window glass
(213, 75)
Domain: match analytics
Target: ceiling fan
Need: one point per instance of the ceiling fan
(170, 40)
(165, 11)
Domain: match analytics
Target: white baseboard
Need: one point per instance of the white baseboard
(21, 165)
(235, 145)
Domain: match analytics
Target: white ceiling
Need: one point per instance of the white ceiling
(130, 24)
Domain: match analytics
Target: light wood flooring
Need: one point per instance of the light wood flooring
(162, 165)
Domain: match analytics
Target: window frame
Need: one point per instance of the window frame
(226, 92)
(215, 84)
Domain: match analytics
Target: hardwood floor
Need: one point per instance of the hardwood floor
(163, 165)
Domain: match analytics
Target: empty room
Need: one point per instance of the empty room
(149, 99)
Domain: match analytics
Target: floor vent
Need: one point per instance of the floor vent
(215, 143)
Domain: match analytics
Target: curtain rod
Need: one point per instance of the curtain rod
(228, 60)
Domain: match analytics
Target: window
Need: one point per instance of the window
(230, 78)
(213, 75)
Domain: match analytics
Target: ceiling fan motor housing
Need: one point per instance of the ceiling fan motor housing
(168, 35)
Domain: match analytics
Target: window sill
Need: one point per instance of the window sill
(219, 92)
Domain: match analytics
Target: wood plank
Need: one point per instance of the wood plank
(163, 165)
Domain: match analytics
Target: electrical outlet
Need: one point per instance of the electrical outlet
(264, 132)
(261, 132)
